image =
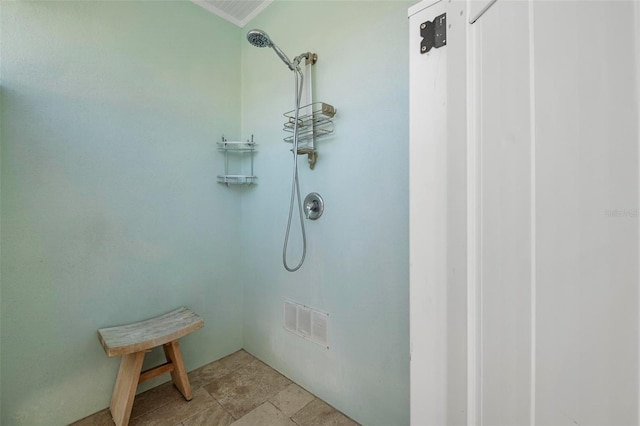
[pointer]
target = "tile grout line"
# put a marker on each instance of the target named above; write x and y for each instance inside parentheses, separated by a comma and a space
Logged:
(305, 406)
(218, 402)
(204, 385)
(279, 410)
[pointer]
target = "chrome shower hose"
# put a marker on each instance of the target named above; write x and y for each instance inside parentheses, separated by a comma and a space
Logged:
(295, 185)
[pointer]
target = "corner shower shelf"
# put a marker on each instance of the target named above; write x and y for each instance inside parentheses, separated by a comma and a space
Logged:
(237, 179)
(237, 148)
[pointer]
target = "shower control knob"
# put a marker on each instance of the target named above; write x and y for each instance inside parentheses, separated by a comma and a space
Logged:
(313, 206)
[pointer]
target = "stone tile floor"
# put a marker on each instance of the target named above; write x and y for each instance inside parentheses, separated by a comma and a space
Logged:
(237, 390)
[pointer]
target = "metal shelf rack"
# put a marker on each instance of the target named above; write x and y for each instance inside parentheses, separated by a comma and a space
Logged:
(315, 120)
(232, 148)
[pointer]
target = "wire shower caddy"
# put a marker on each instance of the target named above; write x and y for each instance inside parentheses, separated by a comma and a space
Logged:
(315, 120)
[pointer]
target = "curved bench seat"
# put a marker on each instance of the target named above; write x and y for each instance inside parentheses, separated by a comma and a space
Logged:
(132, 341)
(148, 334)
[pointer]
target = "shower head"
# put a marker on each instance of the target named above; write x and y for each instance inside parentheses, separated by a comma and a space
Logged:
(259, 38)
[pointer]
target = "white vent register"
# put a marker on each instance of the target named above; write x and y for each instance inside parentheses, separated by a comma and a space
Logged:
(307, 322)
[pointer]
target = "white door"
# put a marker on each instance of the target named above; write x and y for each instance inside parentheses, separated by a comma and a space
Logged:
(555, 294)
(549, 309)
(502, 208)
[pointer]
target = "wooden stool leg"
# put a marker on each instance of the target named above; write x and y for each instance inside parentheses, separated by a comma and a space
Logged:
(125, 388)
(178, 374)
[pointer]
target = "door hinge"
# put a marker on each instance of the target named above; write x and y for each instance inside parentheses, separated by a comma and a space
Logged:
(433, 33)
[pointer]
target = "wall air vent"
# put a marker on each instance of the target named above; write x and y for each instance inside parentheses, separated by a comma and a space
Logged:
(307, 322)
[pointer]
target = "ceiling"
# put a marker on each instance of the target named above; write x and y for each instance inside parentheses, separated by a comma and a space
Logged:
(238, 12)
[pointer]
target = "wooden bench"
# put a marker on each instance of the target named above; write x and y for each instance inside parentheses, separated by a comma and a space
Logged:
(132, 341)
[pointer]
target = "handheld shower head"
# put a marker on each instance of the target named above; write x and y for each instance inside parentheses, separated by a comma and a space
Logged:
(259, 38)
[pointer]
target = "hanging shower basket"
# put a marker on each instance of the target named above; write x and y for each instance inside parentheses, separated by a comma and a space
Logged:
(315, 120)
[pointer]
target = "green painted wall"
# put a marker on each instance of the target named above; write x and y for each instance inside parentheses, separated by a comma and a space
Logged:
(110, 207)
(357, 265)
(110, 211)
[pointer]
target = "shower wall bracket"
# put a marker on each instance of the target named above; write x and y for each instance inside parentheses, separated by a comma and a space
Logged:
(312, 156)
(311, 58)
